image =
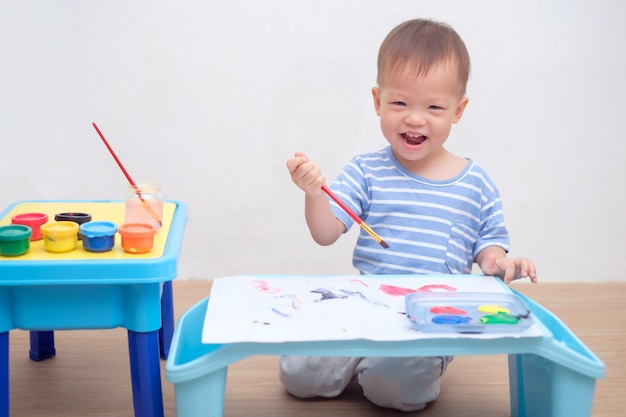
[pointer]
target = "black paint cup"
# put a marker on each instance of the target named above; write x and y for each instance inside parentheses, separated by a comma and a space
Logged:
(78, 218)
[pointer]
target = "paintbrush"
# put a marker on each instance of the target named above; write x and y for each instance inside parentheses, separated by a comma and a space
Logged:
(356, 218)
(130, 180)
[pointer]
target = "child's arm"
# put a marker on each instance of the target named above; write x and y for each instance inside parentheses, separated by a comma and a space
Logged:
(493, 261)
(325, 228)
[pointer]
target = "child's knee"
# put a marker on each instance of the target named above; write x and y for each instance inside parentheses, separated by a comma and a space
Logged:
(307, 377)
(405, 384)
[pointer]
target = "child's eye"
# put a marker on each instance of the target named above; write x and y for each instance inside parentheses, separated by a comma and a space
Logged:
(398, 103)
(435, 107)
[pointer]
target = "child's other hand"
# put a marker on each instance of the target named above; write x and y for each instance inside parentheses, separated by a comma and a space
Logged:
(306, 174)
(509, 269)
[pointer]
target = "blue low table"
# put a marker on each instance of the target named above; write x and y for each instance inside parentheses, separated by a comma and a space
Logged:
(43, 291)
(550, 375)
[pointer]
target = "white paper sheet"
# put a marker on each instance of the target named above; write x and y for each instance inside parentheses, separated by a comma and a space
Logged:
(273, 309)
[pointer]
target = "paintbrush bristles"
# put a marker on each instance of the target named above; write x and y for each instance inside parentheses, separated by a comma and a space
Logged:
(373, 234)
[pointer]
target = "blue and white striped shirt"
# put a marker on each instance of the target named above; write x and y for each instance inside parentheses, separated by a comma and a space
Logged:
(431, 226)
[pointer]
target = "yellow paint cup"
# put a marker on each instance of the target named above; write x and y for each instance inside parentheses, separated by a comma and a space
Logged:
(60, 236)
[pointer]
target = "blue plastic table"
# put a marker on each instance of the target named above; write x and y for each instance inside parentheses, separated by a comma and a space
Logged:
(549, 376)
(43, 291)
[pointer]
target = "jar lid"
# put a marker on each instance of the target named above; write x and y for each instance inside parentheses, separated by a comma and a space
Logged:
(145, 187)
(137, 230)
(73, 217)
(98, 229)
(30, 218)
(59, 229)
(15, 232)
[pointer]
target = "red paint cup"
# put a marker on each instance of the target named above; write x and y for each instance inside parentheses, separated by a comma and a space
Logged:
(32, 220)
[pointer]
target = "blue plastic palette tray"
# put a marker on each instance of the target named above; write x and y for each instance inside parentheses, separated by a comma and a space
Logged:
(467, 312)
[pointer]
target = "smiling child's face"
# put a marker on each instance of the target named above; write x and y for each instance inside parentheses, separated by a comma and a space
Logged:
(417, 112)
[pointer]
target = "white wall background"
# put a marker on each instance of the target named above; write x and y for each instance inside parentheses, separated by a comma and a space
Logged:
(210, 99)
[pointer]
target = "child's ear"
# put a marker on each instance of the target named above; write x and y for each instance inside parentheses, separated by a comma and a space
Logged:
(460, 108)
(376, 96)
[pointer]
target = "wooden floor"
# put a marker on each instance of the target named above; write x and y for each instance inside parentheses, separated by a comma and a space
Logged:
(90, 375)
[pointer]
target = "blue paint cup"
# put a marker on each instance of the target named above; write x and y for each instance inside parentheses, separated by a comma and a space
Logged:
(98, 236)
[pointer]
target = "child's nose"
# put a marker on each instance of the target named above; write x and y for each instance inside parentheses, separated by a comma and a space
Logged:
(415, 118)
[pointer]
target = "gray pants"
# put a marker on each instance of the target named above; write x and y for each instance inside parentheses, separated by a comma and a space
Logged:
(405, 384)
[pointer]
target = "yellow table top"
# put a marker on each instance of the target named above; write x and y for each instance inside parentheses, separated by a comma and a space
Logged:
(100, 210)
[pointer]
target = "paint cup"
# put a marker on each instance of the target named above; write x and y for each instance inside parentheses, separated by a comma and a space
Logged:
(137, 237)
(32, 220)
(149, 208)
(14, 239)
(98, 236)
(78, 218)
(60, 236)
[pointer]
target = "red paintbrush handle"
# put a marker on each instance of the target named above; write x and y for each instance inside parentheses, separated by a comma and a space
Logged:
(119, 163)
(127, 175)
(356, 218)
(342, 204)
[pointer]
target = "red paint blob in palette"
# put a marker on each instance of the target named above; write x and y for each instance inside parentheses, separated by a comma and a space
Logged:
(447, 310)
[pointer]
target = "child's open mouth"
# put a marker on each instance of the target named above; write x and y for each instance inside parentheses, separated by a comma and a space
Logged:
(414, 139)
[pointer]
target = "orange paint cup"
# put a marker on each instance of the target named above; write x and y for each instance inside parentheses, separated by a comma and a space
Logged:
(137, 237)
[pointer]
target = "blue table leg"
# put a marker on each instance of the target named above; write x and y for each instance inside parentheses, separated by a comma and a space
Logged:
(4, 374)
(542, 388)
(42, 345)
(145, 373)
(167, 320)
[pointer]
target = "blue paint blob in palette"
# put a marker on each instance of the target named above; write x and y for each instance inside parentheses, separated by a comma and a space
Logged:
(467, 312)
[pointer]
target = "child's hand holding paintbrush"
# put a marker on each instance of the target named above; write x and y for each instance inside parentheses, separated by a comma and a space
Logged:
(324, 226)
